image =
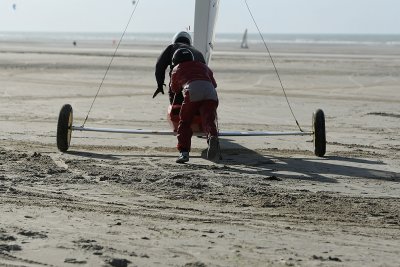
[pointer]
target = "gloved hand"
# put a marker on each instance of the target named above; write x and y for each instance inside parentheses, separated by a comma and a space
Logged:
(160, 89)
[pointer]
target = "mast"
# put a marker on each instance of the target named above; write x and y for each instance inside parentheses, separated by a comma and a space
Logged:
(205, 18)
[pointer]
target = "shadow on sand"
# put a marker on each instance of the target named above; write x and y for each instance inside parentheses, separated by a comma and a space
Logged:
(239, 159)
(311, 168)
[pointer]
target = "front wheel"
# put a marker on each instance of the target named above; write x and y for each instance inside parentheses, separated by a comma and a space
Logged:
(319, 134)
(64, 128)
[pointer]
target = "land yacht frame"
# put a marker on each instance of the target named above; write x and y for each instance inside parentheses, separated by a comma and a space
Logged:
(206, 12)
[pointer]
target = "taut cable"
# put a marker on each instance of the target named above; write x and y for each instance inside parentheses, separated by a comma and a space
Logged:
(273, 63)
(111, 61)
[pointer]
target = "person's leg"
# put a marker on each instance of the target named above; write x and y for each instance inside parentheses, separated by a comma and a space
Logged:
(188, 110)
(208, 111)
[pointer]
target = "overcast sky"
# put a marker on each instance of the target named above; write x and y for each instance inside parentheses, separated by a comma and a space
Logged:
(273, 16)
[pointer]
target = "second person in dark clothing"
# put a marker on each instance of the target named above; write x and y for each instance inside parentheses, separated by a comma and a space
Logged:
(180, 40)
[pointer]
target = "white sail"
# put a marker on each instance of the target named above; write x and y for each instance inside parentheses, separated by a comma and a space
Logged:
(205, 18)
(244, 40)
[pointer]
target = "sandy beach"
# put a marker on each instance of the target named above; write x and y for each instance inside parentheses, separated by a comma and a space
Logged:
(121, 200)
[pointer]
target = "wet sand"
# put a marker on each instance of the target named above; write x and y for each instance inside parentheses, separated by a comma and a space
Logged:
(121, 200)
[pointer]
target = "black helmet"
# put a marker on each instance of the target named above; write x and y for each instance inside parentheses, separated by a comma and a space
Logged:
(182, 37)
(182, 55)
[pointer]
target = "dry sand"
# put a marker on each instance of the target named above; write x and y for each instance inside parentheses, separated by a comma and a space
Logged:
(120, 200)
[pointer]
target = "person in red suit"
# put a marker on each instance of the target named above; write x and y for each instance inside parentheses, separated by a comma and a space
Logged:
(196, 80)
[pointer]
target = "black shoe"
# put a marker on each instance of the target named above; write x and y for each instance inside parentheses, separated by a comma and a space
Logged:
(212, 147)
(183, 157)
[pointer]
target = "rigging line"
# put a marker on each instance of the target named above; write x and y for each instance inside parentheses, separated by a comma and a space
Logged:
(111, 61)
(273, 63)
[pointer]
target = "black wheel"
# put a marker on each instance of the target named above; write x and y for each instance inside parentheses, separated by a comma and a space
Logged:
(64, 129)
(319, 133)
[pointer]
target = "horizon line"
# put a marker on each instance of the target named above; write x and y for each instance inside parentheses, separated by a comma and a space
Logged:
(172, 33)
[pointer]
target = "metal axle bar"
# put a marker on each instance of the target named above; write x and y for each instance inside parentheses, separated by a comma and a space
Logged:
(169, 132)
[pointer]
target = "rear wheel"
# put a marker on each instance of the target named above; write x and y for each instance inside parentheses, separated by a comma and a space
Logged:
(64, 128)
(319, 133)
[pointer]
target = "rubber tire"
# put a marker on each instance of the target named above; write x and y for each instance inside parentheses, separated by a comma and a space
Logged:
(319, 135)
(64, 131)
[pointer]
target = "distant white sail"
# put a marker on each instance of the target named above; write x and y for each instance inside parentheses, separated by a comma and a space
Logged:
(244, 40)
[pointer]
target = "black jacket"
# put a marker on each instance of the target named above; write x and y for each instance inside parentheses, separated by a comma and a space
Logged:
(165, 60)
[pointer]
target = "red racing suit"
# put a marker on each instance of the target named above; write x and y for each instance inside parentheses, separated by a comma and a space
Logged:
(198, 85)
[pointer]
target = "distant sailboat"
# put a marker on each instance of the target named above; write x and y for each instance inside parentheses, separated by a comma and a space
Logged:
(244, 41)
